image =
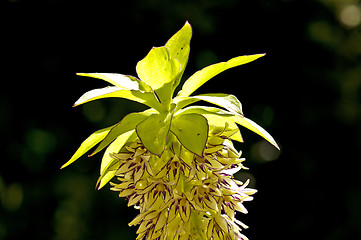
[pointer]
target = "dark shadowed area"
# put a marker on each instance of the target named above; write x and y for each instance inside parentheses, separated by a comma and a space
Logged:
(305, 92)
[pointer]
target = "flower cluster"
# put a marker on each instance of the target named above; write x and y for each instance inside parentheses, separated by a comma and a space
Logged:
(175, 162)
(181, 195)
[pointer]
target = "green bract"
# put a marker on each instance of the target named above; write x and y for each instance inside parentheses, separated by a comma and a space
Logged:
(159, 73)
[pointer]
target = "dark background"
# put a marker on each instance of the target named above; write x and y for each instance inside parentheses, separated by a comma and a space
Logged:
(305, 92)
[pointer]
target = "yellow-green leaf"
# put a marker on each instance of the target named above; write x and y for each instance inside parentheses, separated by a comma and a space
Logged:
(159, 70)
(227, 101)
(90, 142)
(103, 180)
(119, 80)
(178, 47)
(202, 76)
(128, 123)
(146, 98)
(114, 147)
(230, 117)
(248, 123)
(192, 131)
(153, 132)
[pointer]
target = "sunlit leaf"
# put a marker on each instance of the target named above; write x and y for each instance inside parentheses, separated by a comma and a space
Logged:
(228, 116)
(192, 131)
(104, 179)
(178, 47)
(119, 80)
(219, 121)
(153, 132)
(114, 147)
(248, 123)
(227, 101)
(203, 75)
(159, 70)
(146, 98)
(90, 142)
(128, 123)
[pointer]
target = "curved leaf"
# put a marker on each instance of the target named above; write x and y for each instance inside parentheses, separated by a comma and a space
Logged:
(107, 170)
(248, 123)
(88, 143)
(119, 80)
(153, 132)
(114, 147)
(202, 76)
(145, 98)
(228, 116)
(103, 180)
(128, 123)
(227, 101)
(178, 47)
(192, 131)
(159, 70)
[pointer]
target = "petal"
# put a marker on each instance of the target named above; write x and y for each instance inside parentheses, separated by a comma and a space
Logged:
(134, 199)
(221, 222)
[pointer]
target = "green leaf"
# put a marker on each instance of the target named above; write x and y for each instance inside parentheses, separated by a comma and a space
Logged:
(248, 123)
(153, 132)
(228, 116)
(90, 142)
(114, 147)
(146, 98)
(159, 70)
(104, 179)
(119, 80)
(178, 47)
(227, 101)
(128, 123)
(192, 131)
(202, 76)
(107, 162)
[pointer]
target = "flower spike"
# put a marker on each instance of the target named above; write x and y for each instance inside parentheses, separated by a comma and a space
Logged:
(174, 162)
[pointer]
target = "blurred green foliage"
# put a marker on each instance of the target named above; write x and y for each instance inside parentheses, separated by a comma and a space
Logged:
(306, 92)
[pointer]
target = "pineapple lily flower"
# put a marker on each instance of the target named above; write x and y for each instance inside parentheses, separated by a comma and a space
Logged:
(175, 162)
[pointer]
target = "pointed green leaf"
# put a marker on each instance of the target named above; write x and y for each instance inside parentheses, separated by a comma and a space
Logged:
(159, 70)
(145, 98)
(90, 142)
(192, 131)
(128, 123)
(228, 116)
(227, 101)
(248, 123)
(114, 147)
(178, 47)
(153, 132)
(202, 76)
(219, 121)
(119, 80)
(103, 180)
(108, 163)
